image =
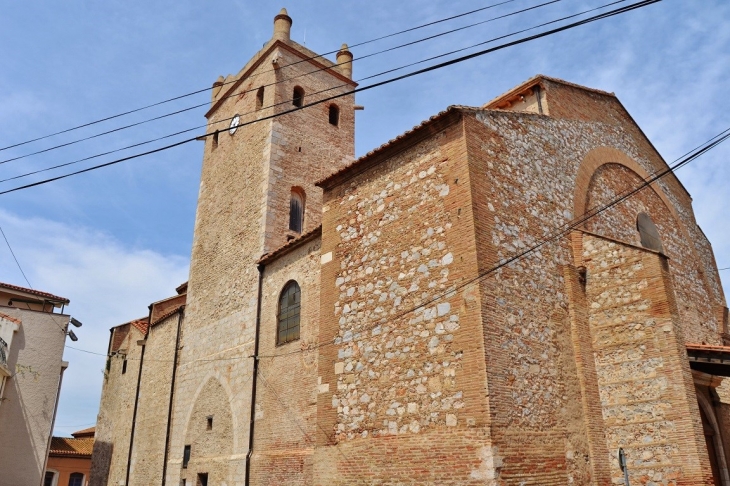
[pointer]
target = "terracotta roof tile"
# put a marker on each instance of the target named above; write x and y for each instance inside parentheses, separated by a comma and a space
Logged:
(707, 348)
(66, 446)
(535, 80)
(84, 433)
(168, 314)
(8, 318)
(290, 245)
(141, 324)
(45, 295)
(395, 140)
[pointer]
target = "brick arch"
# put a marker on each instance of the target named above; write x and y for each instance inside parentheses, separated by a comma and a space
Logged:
(600, 156)
(608, 155)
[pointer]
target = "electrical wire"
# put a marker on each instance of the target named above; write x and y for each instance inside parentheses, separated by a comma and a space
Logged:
(557, 234)
(284, 80)
(604, 15)
(175, 98)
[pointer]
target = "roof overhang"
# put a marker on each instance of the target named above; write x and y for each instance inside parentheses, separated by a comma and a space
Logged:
(713, 360)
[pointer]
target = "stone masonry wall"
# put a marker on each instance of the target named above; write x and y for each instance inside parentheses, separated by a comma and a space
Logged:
(646, 390)
(114, 421)
(403, 383)
(154, 399)
(242, 213)
(286, 398)
(531, 168)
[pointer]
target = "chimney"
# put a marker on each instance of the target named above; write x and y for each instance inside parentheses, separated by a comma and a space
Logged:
(282, 26)
(344, 61)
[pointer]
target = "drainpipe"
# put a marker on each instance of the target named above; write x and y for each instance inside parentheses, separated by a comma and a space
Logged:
(172, 393)
(255, 357)
(64, 365)
(142, 343)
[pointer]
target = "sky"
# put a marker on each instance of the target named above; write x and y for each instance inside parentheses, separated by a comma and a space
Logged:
(116, 239)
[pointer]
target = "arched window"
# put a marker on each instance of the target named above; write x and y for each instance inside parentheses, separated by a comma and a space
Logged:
(260, 98)
(334, 115)
(296, 210)
(298, 97)
(76, 479)
(648, 233)
(288, 315)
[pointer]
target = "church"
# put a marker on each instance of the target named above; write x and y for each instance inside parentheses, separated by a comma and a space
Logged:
(463, 305)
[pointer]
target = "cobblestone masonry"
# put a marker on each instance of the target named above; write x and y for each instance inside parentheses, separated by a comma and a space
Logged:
(243, 212)
(411, 369)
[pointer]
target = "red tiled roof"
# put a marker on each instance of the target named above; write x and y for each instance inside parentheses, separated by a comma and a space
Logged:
(376, 151)
(141, 324)
(168, 314)
(290, 245)
(182, 288)
(709, 348)
(66, 446)
(84, 433)
(45, 295)
(535, 80)
(12, 319)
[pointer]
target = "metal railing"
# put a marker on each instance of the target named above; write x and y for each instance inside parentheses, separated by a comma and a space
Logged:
(3, 353)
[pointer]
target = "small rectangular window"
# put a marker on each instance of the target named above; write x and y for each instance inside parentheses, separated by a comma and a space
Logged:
(202, 479)
(186, 456)
(124, 366)
(209, 425)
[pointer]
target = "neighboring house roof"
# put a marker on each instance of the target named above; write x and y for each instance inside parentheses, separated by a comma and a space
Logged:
(84, 433)
(290, 245)
(38, 293)
(71, 447)
(9, 318)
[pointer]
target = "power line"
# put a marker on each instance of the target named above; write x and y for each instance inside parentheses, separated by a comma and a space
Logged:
(557, 234)
(26, 278)
(175, 98)
(604, 15)
(241, 93)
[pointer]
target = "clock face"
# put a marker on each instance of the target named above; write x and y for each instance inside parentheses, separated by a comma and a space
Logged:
(234, 124)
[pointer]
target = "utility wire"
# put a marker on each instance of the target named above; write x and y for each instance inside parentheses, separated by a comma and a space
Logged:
(411, 29)
(557, 234)
(26, 278)
(359, 89)
(284, 80)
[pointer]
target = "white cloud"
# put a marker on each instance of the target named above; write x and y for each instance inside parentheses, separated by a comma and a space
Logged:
(107, 282)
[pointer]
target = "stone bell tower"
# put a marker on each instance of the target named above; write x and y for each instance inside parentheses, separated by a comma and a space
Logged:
(264, 152)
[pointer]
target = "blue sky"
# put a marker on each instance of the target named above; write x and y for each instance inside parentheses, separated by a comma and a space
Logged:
(119, 238)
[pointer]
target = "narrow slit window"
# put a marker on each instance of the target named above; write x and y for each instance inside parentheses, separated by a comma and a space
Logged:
(260, 98)
(215, 139)
(124, 366)
(298, 97)
(209, 422)
(186, 456)
(289, 313)
(296, 211)
(334, 115)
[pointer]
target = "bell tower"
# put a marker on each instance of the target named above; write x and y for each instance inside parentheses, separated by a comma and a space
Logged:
(269, 141)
